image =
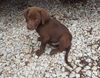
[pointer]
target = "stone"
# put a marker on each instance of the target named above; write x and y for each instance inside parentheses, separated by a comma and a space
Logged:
(54, 75)
(78, 69)
(77, 61)
(94, 57)
(94, 68)
(47, 75)
(77, 75)
(30, 76)
(88, 60)
(69, 58)
(72, 75)
(1, 35)
(88, 73)
(94, 76)
(80, 54)
(95, 72)
(87, 68)
(28, 56)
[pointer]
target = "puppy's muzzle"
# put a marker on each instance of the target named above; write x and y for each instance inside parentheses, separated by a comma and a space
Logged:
(30, 27)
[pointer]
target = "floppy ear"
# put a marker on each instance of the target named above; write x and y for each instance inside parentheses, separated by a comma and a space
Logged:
(44, 16)
(26, 12)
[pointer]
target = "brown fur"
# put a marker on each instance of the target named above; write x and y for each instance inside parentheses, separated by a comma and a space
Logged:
(50, 30)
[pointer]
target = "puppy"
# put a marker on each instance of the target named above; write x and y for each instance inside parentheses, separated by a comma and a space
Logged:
(50, 30)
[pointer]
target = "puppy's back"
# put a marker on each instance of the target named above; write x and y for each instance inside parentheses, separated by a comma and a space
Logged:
(54, 24)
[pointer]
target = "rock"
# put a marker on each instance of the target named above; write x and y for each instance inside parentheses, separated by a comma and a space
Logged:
(70, 59)
(47, 75)
(77, 61)
(30, 76)
(95, 72)
(63, 75)
(88, 60)
(28, 56)
(13, 66)
(94, 76)
(22, 64)
(72, 75)
(94, 57)
(54, 75)
(94, 68)
(1, 35)
(88, 73)
(78, 69)
(63, 69)
(77, 75)
(22, 55)
(87, 68)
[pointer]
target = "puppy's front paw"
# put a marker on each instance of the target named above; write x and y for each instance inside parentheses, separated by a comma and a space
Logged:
(39, 53)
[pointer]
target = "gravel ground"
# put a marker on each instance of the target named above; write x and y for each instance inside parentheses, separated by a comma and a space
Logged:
(16, 43)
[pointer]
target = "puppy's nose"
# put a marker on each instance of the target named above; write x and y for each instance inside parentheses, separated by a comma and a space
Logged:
(29, 27)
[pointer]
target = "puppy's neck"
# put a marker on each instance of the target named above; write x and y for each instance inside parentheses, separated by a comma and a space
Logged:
(40, 26)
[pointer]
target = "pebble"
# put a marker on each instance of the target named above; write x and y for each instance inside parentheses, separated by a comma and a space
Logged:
(94, 57)
(95, 72)
(94, 76)
(30, 76)
(78, 69)
(94, 68)
(88, 60)
(54, 75)
(28, 56)
(63, 69)
(88, 73)
(1, 34)
(77, 75)
(77, 61)
(87, 68)
(47, 75)
(70, 59)
(72, 75)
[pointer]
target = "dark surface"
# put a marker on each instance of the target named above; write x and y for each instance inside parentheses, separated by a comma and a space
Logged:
(25, 1)
(97, 2)
(73, 1)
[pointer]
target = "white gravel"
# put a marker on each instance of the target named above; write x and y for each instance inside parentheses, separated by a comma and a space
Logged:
(16, 43)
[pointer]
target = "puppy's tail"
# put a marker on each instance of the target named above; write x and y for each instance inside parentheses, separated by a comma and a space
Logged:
(66, 57)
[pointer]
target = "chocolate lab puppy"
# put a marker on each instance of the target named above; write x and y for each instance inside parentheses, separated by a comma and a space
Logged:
(50, 30)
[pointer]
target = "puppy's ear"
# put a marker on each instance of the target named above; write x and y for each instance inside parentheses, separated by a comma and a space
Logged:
(44, 16)
(26, 12)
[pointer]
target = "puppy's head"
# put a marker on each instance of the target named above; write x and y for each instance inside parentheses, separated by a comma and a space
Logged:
(35, 16)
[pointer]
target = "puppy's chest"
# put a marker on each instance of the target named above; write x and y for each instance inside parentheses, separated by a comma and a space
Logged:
(53, 34)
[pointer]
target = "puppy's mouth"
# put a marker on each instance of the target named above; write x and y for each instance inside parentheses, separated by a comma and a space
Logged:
(30, 27)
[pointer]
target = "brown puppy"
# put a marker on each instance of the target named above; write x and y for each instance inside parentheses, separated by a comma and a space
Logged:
(50, 30)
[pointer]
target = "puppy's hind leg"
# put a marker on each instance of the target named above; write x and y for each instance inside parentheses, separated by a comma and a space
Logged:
(61, 47)
(64, 45)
